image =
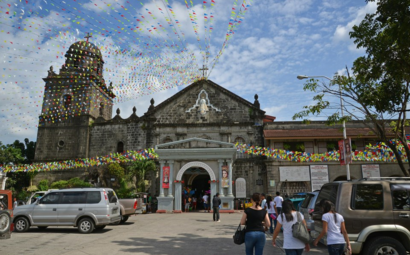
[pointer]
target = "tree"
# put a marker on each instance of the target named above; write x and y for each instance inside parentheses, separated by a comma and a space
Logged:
(379, 89)
(10, 155)
(138, 171)
(357, 97)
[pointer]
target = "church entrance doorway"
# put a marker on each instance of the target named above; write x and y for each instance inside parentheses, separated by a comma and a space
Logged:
(197, 182)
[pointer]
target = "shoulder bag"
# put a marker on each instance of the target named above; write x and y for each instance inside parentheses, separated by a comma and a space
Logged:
(299, 230)
(239, 236)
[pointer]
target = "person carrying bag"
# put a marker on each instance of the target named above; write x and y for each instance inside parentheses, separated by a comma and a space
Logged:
(291, 220)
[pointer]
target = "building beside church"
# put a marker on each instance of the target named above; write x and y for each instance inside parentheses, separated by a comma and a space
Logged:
(194, 133)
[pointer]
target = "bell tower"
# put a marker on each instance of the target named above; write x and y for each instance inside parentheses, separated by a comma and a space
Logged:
(72, 100)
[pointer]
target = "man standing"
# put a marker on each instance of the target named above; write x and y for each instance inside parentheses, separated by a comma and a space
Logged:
(216, 202)
(263, 203)
(205, 198)
(15, 203)
(277, 204)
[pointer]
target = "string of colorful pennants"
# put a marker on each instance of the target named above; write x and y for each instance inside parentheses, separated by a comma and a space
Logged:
(372, 153)
(143, 44)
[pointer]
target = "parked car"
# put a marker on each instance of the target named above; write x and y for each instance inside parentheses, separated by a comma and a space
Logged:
(376, 213)
(307, 207)
(128, 207)
(85, 208)
(36, 195)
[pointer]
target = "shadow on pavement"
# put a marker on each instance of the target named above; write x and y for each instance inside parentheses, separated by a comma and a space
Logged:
(62, 230)
(181, 244)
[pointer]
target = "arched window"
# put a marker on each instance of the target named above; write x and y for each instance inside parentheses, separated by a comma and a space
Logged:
(120, 147)
(167, 139)
(239, 140)
(67, 101)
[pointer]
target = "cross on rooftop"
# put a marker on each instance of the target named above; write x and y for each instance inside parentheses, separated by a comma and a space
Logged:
(203, 69)
(87, 36)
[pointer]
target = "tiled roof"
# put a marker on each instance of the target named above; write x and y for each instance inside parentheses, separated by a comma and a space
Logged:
(318, 133)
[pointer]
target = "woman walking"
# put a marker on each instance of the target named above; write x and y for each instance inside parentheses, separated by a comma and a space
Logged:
(256, 220)
(286, 219)
(271, 212)
(334, 226)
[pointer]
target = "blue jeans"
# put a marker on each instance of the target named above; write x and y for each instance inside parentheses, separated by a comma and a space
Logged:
(336, 249)
(254, 239)
(271, 223)
(293, 251)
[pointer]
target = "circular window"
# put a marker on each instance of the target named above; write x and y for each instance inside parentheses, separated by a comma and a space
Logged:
(61, 143)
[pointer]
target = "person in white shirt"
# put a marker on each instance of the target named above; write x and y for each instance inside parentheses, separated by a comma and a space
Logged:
(263, 203)
(271, 212)
(277, 204)
(287, 218)
(205, 200)
(334, 226)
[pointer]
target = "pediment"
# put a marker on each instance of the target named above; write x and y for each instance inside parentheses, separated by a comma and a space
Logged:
(194, 143)
(205, 102)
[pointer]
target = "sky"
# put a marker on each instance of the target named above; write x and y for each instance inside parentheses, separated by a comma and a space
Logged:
(153, 49)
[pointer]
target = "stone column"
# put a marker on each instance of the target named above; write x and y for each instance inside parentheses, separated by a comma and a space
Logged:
(178, 192)
(221, 190)
(171, 177)
(161, 193)
(229, 161)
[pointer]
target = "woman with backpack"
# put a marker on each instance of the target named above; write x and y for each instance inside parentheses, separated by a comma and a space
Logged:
(286, 219)
(334, 227)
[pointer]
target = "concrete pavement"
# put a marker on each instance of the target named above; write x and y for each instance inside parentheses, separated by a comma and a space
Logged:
(186, 233)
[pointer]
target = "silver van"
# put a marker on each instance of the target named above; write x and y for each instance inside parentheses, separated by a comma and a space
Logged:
(85, 208)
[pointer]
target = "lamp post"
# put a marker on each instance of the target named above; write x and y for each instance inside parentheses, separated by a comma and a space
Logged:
(302, 77)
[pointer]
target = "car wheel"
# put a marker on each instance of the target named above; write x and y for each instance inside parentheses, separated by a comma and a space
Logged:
(384, 245)
(5, 220)
(86, 225)
(42, 227)
(124, 219)
(100, 227)
(21, 224)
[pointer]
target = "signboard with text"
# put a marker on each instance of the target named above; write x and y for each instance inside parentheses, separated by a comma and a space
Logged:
(240, 187)
(370, 171)
(319, 175)
(294, 173)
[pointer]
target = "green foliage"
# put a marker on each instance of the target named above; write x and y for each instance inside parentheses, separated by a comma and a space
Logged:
(116, 170)
(138, 170)
(300, 147)
(59, 184)
(330, 145)
(32, 188)
(286, 146)
(10, 155)
(23, 195)
(72, 183)
(43, 185)
(124, 191)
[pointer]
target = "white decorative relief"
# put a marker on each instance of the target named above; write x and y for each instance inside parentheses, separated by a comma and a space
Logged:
(203, 103)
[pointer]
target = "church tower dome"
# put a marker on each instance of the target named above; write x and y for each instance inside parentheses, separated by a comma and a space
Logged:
(84, 57)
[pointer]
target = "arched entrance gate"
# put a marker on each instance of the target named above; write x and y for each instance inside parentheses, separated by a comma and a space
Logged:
(212, 156)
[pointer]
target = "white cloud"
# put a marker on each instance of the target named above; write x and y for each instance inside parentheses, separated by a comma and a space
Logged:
(342, 31)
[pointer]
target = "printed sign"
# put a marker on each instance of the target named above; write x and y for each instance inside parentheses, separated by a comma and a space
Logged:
(370, 171)
(165, 177)
(240, 187)
(294, 173)
(345, 149)
(319, 175)
(225, 177)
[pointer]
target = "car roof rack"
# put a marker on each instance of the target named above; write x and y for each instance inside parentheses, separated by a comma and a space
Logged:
(385, 178)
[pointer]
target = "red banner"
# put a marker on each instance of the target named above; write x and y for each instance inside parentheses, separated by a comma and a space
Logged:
(345, 148)
(165, 177)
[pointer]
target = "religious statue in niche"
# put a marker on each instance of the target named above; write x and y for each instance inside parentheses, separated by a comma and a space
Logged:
(203, 108)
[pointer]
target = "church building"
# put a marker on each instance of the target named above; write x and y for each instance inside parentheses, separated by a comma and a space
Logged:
(194, 133)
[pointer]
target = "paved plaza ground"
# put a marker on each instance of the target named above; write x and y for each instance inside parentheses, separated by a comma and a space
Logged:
(186, 233)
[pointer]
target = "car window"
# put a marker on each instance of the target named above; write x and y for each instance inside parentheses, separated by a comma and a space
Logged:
(93, 197)
(367, 197)
(73, 198)
(400, 196)
(51, 198)
(306, 202)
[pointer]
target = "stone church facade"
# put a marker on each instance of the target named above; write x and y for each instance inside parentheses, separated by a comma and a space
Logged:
(76, 122)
